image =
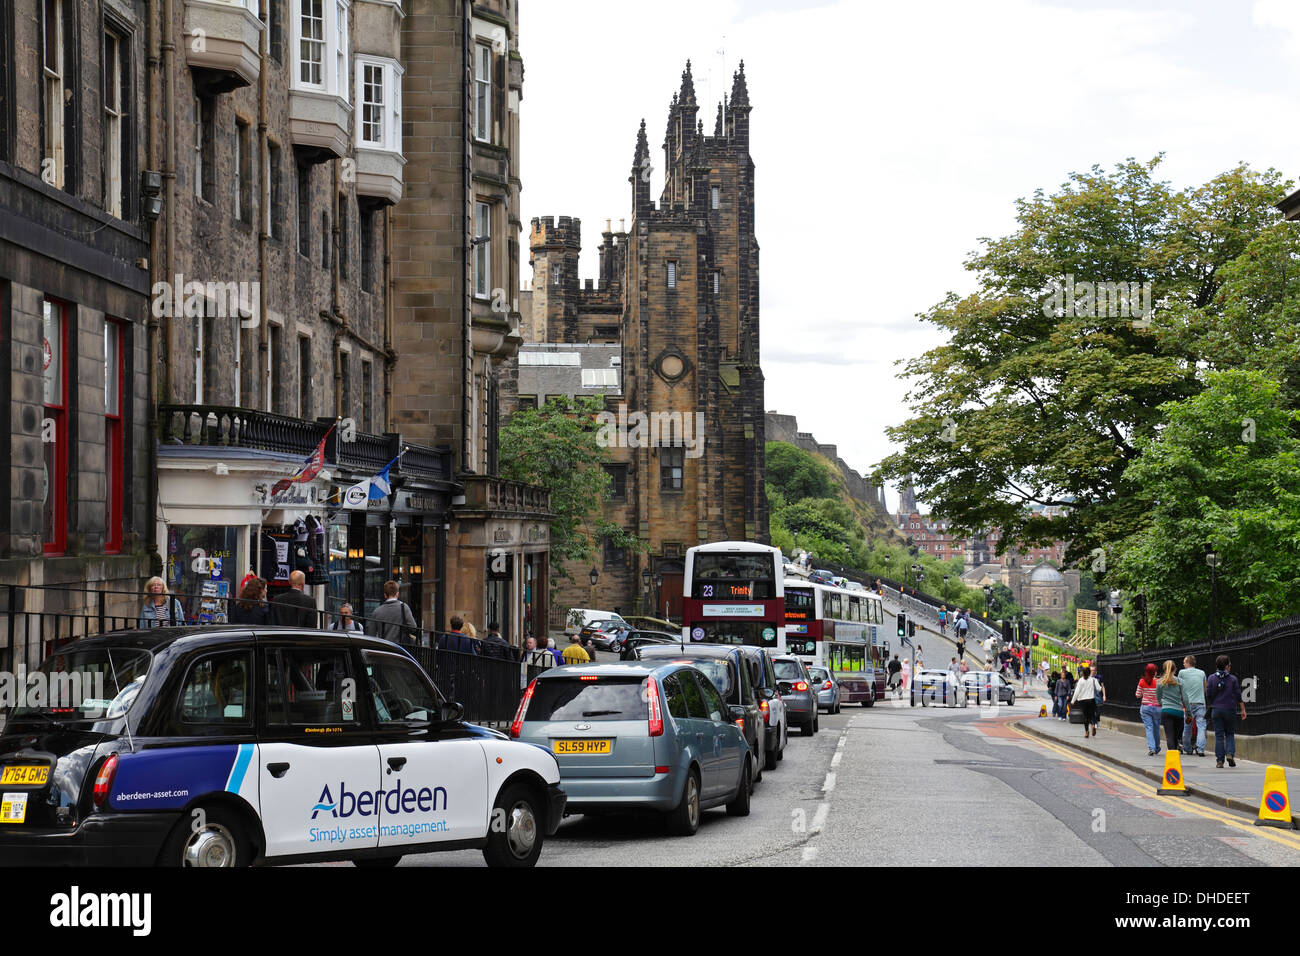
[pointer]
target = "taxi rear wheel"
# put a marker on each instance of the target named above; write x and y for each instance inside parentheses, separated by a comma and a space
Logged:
(515, 833)
(209, 837)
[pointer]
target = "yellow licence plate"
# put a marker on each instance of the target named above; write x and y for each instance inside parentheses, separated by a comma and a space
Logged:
(584, 746)
(26, 776)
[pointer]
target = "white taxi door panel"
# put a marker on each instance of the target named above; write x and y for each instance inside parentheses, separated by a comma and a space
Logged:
(434, 790)
(319, 798)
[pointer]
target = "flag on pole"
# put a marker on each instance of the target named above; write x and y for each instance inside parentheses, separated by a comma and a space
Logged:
(374, 488)
(309, 470)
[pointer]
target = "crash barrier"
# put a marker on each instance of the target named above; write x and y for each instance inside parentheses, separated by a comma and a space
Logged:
(487, 678)
(1264, 660)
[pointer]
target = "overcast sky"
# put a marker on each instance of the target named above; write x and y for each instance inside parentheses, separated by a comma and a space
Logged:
(888, 138)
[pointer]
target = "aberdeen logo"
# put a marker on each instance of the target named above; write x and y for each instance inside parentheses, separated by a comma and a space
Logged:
(367, 803)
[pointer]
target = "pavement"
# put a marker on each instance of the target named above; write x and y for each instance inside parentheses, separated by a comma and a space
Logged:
(1238, 788)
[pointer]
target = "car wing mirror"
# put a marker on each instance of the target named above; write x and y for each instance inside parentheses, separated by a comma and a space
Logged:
(736, 712)
(451, 712)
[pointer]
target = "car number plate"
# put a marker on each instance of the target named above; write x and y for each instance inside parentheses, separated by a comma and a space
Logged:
(13, 807)
(584, 746)
(26, 775)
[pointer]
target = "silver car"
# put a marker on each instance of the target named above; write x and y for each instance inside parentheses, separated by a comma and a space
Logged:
(797, 692)
(640, 736)
(982, 685)
(940, 688)
(828, 689)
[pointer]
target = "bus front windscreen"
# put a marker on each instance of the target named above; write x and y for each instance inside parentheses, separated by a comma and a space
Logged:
(752, 633)
(721, 574)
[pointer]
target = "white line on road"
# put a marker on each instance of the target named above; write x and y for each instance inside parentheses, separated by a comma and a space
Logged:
(835, 760)
(809, 854)
(829, 785)
(819, 818)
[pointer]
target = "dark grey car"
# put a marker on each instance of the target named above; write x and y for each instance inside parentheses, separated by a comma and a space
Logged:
(798, 692)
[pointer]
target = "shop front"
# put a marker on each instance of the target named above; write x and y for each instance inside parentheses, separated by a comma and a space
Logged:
(217, 519)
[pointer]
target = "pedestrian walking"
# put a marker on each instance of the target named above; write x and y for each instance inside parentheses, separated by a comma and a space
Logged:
(160, 608)
(393, 620)
(1051, 691)
(1150, 708)
(574, 653)
(1223, 691)
(294, 608)
(943, 621)
(251, 608)
(1085, 699)
(555, 651)
(1193, 680)
(1062, 691)
(1169, 694)
(345, 622)
(1099, 698)
(895, 674)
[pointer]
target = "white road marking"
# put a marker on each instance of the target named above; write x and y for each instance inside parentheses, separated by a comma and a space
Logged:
(810, 854)
(835, 760)
(829, 785)
(819, 818)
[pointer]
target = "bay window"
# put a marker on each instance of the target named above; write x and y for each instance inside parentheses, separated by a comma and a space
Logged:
(320, 29)
(54, 430)
(379, 93)
(482, 250)
(483, 92)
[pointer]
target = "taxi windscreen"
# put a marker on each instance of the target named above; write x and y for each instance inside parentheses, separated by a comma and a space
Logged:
(601, 698)
(87, 684)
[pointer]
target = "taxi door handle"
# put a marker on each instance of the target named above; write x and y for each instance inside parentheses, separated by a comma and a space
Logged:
(278, 770)
(396, 763)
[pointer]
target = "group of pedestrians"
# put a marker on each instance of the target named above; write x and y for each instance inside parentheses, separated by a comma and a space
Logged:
(960, 625)
(1084, 695)
(1180, 700)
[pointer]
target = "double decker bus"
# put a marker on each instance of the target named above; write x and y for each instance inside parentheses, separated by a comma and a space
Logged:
(841, 630)
(733, 592)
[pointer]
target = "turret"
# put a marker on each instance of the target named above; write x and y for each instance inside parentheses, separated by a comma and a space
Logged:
(738, 110)
(640, 178)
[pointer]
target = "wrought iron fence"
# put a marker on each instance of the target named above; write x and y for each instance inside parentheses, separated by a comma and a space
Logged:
(1265, 659)
(486, 677)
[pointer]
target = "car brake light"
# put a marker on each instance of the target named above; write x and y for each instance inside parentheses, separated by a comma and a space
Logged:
(801, 686)
(589, 677)
(104, 780)
(827, 686)
(656, 716)
(763, 706)
(517, 725)
(740, 722)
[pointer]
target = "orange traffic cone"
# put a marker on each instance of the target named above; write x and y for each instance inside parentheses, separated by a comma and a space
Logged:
(1275, 804)
(1173, 779)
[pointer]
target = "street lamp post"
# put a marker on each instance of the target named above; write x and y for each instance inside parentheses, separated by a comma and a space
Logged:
(594, 576)
(659, 587)
(1213, 559)
(645, 588)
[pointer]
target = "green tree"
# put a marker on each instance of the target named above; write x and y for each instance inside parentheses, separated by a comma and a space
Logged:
(555, 447)
(1031, 402)
(795, 474)
(1224, 471)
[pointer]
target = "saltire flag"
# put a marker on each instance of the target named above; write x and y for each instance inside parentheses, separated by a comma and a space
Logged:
(309, 470)
(374, 488)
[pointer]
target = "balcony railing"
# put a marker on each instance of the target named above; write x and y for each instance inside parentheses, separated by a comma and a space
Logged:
(220, 426)
(228, 427)
(496, 494)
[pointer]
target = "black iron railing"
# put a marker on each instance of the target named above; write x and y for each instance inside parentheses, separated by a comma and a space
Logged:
(1266, 660)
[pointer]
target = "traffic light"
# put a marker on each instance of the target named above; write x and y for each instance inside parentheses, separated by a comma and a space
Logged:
(902, 624)
(911, 629)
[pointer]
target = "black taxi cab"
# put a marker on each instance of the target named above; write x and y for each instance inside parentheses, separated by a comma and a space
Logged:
(225, 746)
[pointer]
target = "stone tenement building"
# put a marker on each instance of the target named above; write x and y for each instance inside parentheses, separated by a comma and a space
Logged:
(679, 292)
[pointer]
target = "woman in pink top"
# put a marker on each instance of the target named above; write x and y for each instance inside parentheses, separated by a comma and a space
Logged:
(1146, 691)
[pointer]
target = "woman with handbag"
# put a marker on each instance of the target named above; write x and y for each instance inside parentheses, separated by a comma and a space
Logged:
(1150, 709)
(1085, 699)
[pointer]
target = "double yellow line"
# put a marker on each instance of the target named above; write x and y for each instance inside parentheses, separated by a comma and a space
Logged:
(1146, 787)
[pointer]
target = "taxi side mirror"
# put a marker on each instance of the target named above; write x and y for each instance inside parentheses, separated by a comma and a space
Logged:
(451, 712)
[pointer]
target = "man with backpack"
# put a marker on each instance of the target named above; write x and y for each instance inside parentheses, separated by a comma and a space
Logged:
(393, 618)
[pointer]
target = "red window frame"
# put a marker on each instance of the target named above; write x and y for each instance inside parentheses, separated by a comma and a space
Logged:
(114, 471)
(56, 541)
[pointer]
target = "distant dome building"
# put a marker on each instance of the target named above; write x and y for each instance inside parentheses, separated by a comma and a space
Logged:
(1041, 589)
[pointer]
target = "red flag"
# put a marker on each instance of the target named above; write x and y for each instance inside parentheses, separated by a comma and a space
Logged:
(309, 470)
